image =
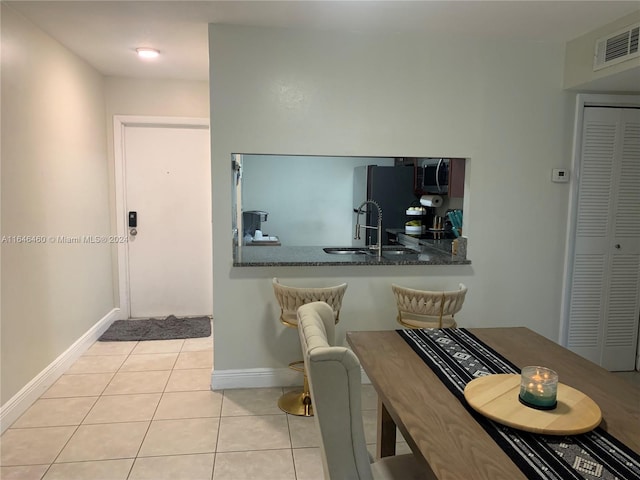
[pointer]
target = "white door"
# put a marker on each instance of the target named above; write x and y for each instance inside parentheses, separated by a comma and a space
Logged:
(604, 304)
(168, 185)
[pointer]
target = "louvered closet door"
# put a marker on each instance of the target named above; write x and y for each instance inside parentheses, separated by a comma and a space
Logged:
(604, 304)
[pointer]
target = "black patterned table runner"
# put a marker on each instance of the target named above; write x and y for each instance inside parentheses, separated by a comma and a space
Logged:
(457, 356)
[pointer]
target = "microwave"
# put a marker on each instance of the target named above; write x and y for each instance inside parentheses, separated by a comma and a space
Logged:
(435, 175)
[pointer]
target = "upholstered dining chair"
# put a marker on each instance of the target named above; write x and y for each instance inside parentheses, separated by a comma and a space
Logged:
(334, 378)
(298, 402)
(428, 309)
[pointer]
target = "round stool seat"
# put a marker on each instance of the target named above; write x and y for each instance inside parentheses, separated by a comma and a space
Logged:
(428, 309)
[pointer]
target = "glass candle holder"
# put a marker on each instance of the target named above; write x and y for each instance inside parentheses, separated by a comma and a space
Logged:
(538, 388)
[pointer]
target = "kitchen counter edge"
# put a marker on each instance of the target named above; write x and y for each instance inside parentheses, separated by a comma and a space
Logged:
(284, 256)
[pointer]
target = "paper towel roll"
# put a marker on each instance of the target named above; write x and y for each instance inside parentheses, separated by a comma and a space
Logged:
(431, 200)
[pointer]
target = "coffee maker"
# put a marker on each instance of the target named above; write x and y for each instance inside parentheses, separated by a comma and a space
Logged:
(252, 221)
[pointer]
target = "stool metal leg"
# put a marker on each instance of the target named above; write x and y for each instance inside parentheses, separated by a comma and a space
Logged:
(297, 402)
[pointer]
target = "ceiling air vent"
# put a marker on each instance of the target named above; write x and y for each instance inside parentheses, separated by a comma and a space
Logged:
(617, 47)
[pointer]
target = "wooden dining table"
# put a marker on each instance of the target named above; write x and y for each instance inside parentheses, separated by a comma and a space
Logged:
(440, 431)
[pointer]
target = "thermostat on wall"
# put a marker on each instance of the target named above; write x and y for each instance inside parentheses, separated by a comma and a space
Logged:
(560, 175)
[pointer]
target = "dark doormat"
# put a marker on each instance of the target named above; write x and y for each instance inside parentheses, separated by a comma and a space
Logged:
(157, 329)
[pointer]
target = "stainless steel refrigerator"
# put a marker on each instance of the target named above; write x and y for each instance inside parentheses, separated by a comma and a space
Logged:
(392, 189)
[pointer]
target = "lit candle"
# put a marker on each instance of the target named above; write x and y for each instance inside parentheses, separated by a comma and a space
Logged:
(538, 388)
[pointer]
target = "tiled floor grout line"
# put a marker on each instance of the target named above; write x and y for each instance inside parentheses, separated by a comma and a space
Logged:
(293, 459)
(76, 429)
(245, 451)
(86, 415)
(144, 437)
(215, 454)
(63, 447)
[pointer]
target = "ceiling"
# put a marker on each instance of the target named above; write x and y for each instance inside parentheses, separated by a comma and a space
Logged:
(106, 34)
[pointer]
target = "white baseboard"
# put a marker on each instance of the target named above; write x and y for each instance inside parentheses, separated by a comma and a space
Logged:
(259, 378)
(254, 378)
(21, 401)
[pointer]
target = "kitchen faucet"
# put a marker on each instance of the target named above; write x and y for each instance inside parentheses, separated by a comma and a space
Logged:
(377, 247)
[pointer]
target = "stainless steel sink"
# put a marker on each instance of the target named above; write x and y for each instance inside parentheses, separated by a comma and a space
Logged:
(389, 250)
(346, 251)
(398, 251)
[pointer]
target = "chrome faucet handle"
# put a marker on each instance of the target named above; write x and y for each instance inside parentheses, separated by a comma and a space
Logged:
(378, 246)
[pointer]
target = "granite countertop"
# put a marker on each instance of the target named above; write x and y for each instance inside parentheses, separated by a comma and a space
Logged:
(266, 256)
(435, 240)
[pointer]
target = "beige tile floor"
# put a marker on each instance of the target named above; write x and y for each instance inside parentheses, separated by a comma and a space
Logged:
(144, 410)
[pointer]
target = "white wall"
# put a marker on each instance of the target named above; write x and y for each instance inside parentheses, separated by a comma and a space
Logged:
(309, 199)
(54, 182)
(498, 103)
(136, 96)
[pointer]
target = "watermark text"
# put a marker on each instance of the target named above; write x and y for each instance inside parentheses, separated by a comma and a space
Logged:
(63, 239)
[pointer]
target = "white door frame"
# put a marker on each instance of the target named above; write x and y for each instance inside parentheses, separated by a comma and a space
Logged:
(120, 122)
(582, 101)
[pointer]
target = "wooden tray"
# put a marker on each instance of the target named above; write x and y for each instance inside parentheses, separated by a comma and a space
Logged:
(496, 397)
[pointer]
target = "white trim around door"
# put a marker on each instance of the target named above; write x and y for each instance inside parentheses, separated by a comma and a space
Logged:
(582, 101)
(120, 122)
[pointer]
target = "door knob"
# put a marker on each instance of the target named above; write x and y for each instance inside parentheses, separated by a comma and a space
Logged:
(617, 246)
(133, 232)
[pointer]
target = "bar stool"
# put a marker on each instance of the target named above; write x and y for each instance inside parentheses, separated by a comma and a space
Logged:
(428, 309)
(298, 402)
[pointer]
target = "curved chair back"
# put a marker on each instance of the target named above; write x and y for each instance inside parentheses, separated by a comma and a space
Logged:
(428, 309)
(334, 378)
(292, 298)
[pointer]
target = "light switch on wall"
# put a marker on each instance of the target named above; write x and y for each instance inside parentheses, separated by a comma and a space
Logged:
(560, 175)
